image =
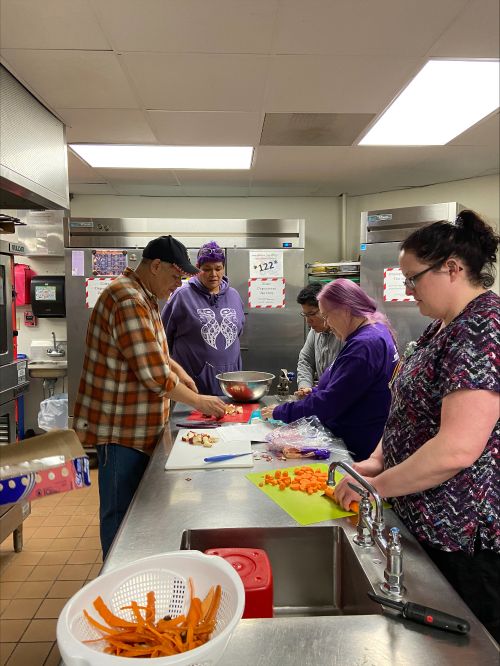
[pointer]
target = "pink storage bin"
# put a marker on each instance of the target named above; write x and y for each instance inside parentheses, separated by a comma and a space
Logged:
(22, 277)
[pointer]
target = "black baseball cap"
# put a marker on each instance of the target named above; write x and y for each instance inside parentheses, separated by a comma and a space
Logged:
(172, 251)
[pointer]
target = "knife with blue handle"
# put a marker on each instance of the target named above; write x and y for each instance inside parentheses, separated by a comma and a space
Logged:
(225, 456)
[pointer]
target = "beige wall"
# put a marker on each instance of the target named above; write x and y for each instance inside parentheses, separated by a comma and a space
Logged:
(322, 215)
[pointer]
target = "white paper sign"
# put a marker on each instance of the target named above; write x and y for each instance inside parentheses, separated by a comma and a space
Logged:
(394, 286)
(266, 292)
(266, 263)
(94, 288)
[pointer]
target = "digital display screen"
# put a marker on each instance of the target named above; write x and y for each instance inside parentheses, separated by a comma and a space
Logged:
(45, 293)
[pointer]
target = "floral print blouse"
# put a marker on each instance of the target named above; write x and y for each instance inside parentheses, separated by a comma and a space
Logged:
(463, 513)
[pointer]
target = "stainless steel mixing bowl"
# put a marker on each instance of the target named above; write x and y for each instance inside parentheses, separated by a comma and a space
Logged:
(245, 385)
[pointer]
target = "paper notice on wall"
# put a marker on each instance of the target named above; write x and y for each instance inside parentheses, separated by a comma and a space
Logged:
(394, 286)
(266, 263)
(94, 288)
(266, 292)
(77, 263)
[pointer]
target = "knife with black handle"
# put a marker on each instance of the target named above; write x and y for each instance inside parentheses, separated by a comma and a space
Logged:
(424, 615)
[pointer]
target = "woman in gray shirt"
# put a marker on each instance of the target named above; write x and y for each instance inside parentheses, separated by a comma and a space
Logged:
(321, 347)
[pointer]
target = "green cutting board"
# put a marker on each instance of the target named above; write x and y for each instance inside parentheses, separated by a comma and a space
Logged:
(305, 509)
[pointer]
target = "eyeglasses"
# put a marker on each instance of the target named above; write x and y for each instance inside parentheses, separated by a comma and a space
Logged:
(305, 315)
(411, 282)
(210, 250)
(324, 315)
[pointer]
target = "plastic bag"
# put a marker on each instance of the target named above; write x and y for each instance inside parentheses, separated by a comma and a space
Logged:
(306, 438)
(53, 412)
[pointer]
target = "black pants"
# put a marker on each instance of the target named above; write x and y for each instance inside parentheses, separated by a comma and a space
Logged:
(476, 578)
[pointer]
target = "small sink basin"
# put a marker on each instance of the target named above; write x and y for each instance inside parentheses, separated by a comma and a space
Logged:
(315, 571)
(48, 369)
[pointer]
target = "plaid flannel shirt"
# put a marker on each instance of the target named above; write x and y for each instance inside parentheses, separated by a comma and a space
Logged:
(126, 370)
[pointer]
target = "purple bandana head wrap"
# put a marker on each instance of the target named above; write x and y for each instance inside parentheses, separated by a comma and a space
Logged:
(210, 252)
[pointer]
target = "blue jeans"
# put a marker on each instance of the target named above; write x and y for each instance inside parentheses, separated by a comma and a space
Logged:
(120, 472)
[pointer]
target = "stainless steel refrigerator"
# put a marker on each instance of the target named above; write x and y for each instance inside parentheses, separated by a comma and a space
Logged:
(381, 234)
(97, 248)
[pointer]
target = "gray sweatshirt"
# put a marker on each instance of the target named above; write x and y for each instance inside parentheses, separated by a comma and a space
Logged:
(319, 352)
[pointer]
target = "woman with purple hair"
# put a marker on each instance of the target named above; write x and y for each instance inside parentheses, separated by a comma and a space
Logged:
(203, 321)
(352, 397)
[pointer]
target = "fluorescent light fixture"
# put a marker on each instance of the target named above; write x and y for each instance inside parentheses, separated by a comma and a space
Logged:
(111, 156)
(442, 101)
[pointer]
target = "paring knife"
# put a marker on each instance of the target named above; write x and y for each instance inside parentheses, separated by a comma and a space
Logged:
(425, 615)
(197, 424)
(225, 456)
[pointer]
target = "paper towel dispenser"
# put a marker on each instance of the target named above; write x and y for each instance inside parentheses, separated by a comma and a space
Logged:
(47, 296)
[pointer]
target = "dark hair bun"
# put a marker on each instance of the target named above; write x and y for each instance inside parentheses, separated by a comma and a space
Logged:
(473, 230)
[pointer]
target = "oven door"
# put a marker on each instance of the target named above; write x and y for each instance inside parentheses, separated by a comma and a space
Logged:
(6, 338)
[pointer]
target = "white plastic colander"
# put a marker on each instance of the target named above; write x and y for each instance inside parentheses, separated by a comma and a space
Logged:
(167, 575)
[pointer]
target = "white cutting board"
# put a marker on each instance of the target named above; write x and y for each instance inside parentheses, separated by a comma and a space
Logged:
(187, 456)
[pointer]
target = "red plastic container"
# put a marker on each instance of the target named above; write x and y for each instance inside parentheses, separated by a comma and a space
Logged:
(254, 569)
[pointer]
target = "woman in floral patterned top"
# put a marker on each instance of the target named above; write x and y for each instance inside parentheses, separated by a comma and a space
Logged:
(439, 456)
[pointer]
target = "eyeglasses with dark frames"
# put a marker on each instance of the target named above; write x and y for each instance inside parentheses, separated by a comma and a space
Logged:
(411, 282)
(305, 315)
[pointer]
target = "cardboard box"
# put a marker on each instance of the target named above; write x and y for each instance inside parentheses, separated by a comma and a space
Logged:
(44, 465)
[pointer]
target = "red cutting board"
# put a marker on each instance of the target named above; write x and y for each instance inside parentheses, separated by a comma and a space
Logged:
(248, 408)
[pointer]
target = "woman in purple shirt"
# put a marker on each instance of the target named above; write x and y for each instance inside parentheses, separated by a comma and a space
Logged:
(352, 397)
(439, 457)
(204, 320)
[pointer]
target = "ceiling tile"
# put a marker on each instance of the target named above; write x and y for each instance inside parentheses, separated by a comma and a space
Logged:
(183, 26)
(106, 126)
(396, 27)
(336, 84)
(50, 24)
(198, 82)
(160, 177)
(475, 34)
(211, 128)
(73, 79)
(313, 129)
(145, 189)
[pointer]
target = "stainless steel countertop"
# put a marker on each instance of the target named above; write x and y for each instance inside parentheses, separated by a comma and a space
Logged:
(169, 502)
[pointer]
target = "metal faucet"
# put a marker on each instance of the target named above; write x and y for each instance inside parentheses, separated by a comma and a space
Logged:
(55, 350)
(371, 530)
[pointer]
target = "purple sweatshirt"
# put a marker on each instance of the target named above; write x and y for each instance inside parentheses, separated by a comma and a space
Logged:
(203, 331)
(352, 397)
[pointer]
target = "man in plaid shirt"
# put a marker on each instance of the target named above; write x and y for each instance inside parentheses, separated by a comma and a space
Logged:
(128, 378)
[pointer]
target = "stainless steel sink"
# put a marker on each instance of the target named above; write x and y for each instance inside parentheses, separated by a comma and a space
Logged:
(315, 571)
(47, 369)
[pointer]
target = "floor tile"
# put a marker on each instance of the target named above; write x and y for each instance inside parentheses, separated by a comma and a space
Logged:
(54, 657)
(50, 608)
(39, 630)
(16, 572)
(21, 609)
(7, 557)
(88, 543)
(63, 589)
(3, 605)
(6, 650)
(37, 590)
(95, 571)
(92, 531)
(73, 531)
(28, 558)
(39, 545)
(56, 521)
(46, 532)
(62, 510)
(9, 590)
(12, 630)
(45, 572)
(75, 572)
(83, 556)
(33, 654)
(67, 543)
(56, 556)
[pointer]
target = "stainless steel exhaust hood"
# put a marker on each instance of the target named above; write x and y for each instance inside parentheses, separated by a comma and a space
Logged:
(33, 155)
